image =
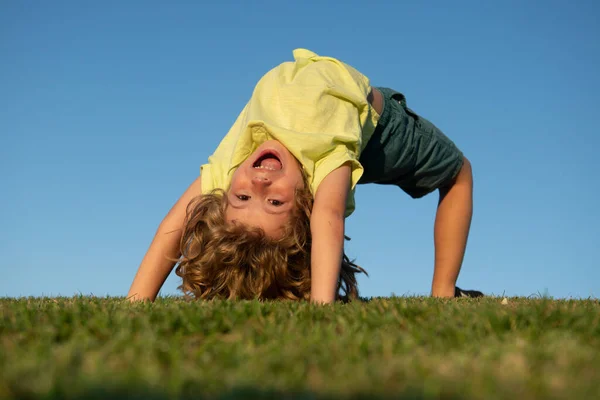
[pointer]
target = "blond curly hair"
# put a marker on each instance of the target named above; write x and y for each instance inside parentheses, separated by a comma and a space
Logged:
(235, 261)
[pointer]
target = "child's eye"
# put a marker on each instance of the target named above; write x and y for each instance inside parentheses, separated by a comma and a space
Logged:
(242, 197)
(276, 202)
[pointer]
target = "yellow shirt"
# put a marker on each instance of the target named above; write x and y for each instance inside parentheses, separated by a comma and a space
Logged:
(316, 107)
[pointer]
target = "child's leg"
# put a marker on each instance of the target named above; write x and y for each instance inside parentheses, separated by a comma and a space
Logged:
(411, 152)
(452, 223)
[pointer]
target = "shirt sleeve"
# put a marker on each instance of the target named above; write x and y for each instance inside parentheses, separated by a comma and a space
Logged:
(338, 157)
(231, 152)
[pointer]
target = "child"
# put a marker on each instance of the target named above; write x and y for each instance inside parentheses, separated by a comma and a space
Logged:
(265, 219)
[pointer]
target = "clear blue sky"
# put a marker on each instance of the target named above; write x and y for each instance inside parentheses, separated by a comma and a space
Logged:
(108, 109)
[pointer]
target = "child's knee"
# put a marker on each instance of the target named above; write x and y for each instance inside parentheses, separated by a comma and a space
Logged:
(466, 169)
(465, 175)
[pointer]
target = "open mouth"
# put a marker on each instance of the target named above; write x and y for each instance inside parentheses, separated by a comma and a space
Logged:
(269, 161)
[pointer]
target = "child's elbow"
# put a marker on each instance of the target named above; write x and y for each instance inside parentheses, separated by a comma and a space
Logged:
(329, 219)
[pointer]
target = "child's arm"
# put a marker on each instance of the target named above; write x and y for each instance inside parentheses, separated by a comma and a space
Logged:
(327, 229)
(157, 263)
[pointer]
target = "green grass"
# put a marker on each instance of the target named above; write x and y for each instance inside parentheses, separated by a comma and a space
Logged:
(408, 348)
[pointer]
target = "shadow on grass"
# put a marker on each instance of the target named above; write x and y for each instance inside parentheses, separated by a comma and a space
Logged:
(236, 393)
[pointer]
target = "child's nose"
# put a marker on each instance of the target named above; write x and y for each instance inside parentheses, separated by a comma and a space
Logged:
(261, 180)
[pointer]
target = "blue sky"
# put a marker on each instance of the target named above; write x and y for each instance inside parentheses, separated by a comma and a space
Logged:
(108, 109)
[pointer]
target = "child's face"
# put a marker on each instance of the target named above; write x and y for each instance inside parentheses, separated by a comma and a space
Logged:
(262, 191)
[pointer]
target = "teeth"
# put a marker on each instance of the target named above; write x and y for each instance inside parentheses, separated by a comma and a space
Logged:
(267, 168)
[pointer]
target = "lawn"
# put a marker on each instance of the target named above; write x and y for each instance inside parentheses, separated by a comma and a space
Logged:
(404, 347)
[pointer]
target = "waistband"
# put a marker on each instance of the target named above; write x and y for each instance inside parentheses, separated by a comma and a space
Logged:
(387, 97)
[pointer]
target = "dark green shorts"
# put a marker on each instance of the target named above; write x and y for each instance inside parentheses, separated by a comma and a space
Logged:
(408, 151)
